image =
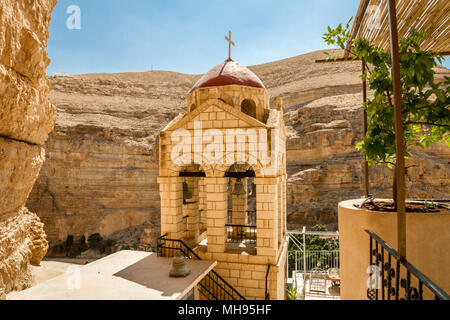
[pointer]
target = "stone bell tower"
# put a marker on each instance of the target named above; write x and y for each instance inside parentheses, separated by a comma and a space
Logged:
(223, 180)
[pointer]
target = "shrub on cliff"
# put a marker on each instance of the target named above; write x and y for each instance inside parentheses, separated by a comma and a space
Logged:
(68, 244)
(95, 241)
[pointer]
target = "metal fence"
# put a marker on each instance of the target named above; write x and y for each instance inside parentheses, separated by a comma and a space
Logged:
(316, 260)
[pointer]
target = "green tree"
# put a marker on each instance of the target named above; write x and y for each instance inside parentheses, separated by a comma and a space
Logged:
(313, 243)
(426, 113)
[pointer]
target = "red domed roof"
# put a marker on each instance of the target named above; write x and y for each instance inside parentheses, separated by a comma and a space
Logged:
(228, 73)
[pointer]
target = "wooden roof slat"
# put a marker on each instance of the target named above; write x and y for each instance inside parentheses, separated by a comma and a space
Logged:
(431, 16)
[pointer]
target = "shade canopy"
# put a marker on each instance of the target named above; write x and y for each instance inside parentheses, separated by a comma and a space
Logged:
(432, 16)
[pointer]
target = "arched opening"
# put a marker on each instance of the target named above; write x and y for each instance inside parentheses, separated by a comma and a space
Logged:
(241, 203)
(193, 209)
(193, 106)
(249, 107)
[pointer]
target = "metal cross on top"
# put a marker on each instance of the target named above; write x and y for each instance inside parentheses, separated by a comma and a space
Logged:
(230, 43)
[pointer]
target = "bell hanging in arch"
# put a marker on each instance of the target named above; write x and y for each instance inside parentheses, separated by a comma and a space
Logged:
(252, 193)
(179, 268)
(238, 188)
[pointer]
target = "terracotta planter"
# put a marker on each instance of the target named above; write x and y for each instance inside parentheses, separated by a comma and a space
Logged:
(428, 245)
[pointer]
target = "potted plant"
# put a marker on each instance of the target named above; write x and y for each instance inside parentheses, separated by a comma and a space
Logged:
(292, 293)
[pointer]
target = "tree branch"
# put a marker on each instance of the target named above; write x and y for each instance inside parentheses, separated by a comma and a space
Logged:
(367, 67)
(389, 97)
(388, 162)
(364, 60)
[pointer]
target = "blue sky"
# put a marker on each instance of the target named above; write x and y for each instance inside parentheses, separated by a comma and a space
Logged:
(188, 35)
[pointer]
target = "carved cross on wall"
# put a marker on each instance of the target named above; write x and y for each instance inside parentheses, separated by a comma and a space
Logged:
(230, 43)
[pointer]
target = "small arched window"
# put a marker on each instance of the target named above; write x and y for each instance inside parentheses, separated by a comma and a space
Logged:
(249, 108)
(193, 106)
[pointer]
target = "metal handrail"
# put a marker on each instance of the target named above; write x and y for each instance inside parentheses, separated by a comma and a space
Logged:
(210, 277)
(267, 295)
(185, 249)
(182, 246)
(406, 283)
(240, 225)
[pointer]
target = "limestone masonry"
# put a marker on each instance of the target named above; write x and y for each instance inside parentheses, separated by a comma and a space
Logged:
(26, 119)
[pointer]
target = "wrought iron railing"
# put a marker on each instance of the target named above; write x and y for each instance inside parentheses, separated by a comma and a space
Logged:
(397, 275)
(168, 247)
(240, 233)
(212, 286)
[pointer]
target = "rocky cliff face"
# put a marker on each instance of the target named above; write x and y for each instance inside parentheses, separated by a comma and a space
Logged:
(100, 175)
(103, 157)
(26, 118)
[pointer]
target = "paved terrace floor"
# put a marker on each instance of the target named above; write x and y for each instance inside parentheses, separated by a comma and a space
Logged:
(317, 289)
(125, 275)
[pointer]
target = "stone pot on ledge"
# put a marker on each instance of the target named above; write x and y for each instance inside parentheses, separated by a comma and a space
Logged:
(427, 245)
